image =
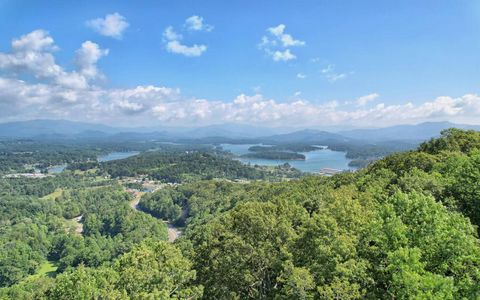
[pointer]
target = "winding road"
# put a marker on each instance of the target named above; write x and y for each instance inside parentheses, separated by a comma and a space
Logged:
(173, 232)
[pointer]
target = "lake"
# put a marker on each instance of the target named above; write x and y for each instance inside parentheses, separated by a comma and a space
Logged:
(314, 160)
(116, 155)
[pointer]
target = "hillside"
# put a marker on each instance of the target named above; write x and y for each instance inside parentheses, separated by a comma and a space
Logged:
(419, 132)
(406, 227)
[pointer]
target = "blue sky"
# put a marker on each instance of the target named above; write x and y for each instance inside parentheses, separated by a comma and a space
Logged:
(352, 63)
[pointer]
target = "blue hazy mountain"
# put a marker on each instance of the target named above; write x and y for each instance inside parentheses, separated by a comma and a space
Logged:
(57, 129)
(418, 132)
(82, 130)
(305, 136)
(35, 128)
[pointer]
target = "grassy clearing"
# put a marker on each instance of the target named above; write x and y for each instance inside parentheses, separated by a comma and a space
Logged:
(47, 269)
(57, 193)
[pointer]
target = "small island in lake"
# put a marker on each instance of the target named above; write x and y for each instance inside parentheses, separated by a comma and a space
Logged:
(275, 155)
(285, 147)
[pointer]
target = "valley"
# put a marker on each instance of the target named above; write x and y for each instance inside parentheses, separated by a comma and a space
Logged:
(200, 208)
(231, 150)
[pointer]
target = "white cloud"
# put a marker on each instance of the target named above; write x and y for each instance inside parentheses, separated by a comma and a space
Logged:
(278, 39)
(286, 39)
(196, 23)
(191, 51)
(54, 93)
(32, 54)
(37, 40)
(87, 57)
(140, 99)
(285, 55)
(336, 77)
(147, 105)
(174, 44)
(301, 76)
(170, 35)
(362, 101)
(258, 110)
(112, 25)
(332, 76)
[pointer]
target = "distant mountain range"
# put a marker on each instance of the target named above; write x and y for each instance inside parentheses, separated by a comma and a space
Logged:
(33, 128)
(62, 129)
(305, 136)
(419, 132)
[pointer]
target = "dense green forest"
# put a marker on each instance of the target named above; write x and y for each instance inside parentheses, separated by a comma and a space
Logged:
(405, 227)
(189, 166)
(275, 155)
(362, 155)
(26, 155)
(37, 228)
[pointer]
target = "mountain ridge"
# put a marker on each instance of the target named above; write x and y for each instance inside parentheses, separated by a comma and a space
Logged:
(41, 128)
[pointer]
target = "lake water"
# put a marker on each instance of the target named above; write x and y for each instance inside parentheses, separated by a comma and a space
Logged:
(116, 155)
(314, 160)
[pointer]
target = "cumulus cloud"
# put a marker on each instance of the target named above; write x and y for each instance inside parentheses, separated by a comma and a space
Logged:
(258, 110)
(170, 35)
(87, 57)
(286, 39)
(140, 99)
(276, 40)
(285, 55)
(47, 93)
(196, 23)
(23, 100)
(32, 54)
(19, 99)
(36, 40)
(147, 105)
(362, 101)
(113, 25)
(173, 44)
(179, 48)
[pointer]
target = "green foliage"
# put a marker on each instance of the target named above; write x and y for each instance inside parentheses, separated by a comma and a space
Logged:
(158, 270)
(86, 283)
(240, 254)
(29, 289)
(189, 166)
(453, 140)
(276, 155)
(33, 230)
(405, 227)
(165, 203)
(410, 280)
(464, 186)
(152, 270)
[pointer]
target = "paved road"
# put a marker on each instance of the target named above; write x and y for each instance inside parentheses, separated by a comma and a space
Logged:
(173, 232)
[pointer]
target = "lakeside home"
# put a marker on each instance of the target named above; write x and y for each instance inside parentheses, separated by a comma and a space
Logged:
(329, 171)
(27, 175)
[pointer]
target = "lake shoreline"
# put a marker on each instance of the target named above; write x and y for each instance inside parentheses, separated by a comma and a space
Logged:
(313, 163)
